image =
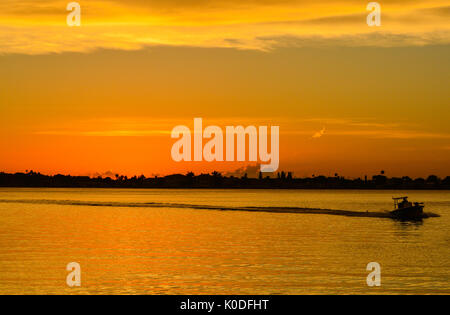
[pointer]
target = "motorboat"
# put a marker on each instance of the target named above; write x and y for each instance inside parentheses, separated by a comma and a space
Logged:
(404, 209)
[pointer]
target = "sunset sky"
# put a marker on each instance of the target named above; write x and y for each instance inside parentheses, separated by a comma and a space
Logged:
(103, 98)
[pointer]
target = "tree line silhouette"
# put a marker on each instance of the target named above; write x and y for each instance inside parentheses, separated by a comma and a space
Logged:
(283, 180)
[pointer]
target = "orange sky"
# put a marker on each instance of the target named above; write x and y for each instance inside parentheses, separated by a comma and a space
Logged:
(104, 97)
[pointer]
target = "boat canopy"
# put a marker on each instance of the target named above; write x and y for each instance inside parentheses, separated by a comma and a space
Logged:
(399, 198)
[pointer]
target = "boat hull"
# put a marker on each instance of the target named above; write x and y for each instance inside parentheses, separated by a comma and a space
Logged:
(414, 212)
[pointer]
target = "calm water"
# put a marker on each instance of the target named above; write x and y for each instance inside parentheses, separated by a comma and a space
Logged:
(170, 250)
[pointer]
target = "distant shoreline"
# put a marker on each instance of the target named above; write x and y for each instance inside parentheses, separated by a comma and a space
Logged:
(218, 181)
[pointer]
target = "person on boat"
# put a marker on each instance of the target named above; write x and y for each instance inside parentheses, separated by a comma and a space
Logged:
(405, 203)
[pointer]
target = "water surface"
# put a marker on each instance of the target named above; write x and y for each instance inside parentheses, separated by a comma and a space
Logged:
(180, 250)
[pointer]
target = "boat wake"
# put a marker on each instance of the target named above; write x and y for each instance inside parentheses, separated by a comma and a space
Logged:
(296, 210)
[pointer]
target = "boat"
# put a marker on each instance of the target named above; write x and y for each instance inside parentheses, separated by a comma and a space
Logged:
(403, 209)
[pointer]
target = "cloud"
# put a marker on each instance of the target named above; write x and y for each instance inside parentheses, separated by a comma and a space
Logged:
(30, 27)
(252, 171)
(443, 11)
(103, 175)
(149, 127)
(392, 134)
(364, 127)
(105, 133)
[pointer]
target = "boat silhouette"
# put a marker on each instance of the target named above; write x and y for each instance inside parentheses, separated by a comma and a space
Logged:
(404, 209)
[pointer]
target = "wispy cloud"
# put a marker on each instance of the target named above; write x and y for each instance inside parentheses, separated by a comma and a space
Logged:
(32, 27)
(105, 133)
(252, 171)
(364, 127)
(340, 127)
(392, 134)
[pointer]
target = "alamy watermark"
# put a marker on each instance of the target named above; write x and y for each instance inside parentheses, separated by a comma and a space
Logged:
(374, 17)
(214, 149)
(374, 278)
(74, 277)
(74, 17)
